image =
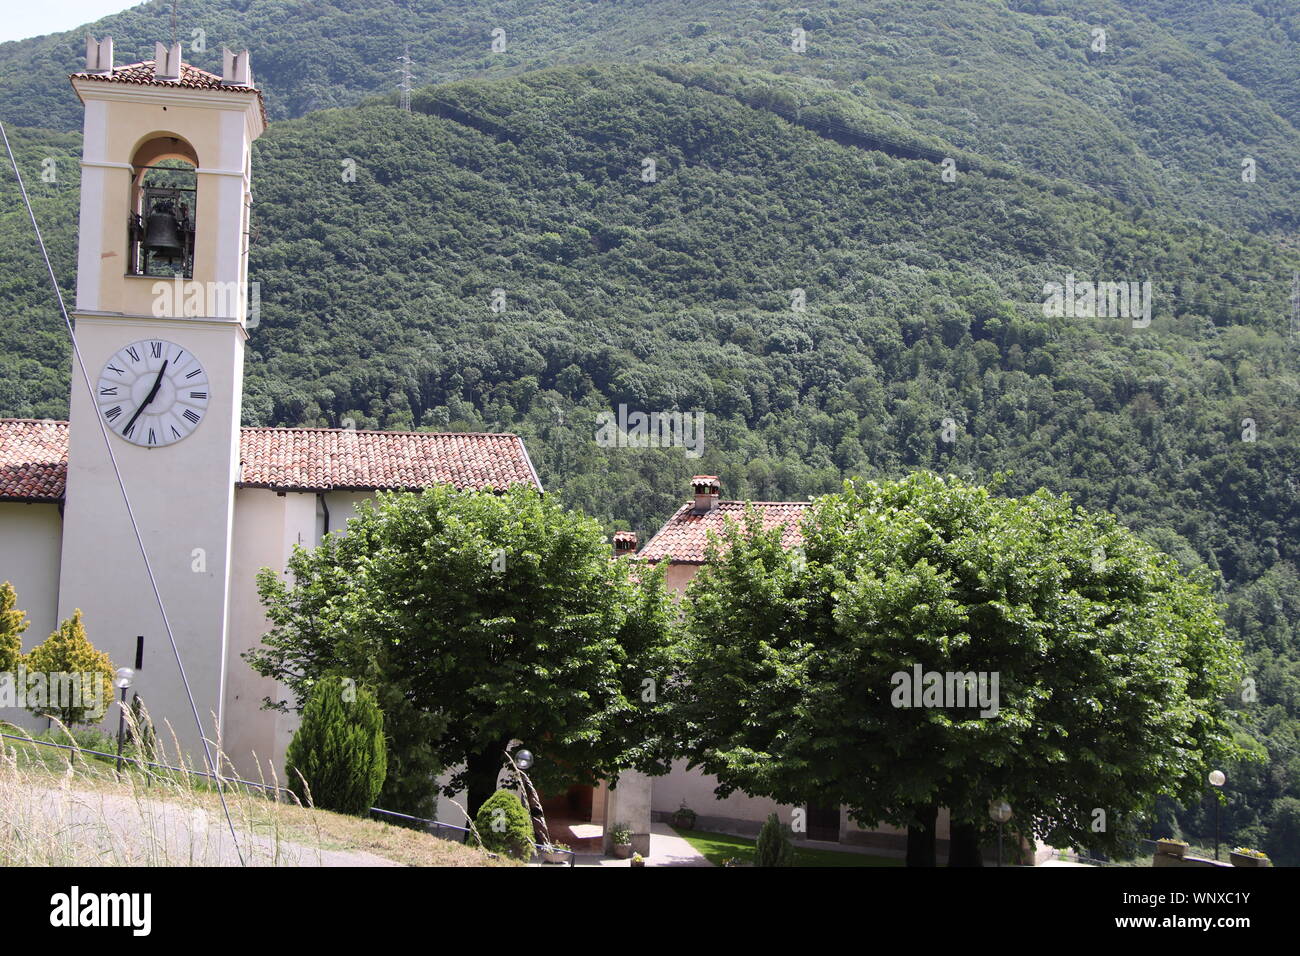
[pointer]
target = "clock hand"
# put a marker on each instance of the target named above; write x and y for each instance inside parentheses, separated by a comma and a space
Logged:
(153, 393)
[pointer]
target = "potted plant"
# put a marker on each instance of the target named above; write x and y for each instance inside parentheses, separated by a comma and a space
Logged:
(684, 817)
(620, 835)
(638, 859)
(556, 853)
(1244, 856)
(1171, 847)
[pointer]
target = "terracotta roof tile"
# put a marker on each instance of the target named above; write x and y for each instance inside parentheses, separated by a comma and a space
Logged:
(34, 459)
(320, 459)
(683, 537)
(142, 74)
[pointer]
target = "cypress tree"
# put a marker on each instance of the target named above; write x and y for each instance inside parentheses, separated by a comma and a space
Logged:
(339, 750)
(69, 652)
(773, 848)
(12, 625)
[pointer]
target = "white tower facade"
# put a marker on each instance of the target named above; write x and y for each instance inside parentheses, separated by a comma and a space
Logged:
(161, 312)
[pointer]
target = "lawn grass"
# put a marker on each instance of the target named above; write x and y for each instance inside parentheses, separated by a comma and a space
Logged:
(719, 847)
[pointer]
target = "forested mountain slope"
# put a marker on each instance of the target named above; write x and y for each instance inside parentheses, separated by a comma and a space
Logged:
(1183, 91)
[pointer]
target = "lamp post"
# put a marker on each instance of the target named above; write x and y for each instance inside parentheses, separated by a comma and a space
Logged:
(122, 680)
(1217, 780)
(999, 813)
(522, 760)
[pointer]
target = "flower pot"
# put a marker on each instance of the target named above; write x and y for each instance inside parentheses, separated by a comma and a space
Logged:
(638, 862)
(1171, 847)
(1241, 859)
(623, 850)
(555, 856)
(684, 821)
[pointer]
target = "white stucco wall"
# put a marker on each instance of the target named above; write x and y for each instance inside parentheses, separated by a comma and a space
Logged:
(267, 527)
(31, 537)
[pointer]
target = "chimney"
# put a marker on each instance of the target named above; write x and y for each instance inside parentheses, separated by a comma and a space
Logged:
(707, 488)
(166, 62)
(99, 56)
(235, 68)
(624, 543)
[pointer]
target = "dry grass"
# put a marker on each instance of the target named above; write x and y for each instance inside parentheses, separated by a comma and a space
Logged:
(67, 808)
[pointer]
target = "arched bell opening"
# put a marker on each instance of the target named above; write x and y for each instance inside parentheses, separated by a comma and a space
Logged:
(164, 198)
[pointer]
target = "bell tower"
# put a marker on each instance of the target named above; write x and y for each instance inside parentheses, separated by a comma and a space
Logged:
(161, 313)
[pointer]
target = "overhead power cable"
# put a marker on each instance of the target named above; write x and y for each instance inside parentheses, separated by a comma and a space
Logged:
(121, 484)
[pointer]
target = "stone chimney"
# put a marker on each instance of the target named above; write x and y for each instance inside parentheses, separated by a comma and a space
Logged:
(707, 489)
(99, 56)
(624, 543)
(235, 68)
(166, 62)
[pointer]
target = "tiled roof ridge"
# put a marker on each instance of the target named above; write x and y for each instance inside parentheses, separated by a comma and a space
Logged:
(371, 431)
(133, 73)
(34, 452)
(191, 78)
(683, 537)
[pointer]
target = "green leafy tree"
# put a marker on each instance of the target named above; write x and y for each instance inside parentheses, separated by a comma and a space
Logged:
(773, 847)
(504, 825)
(12, 624)
(338, 758)
(481, 619)
(67, 660)
(1111, 664)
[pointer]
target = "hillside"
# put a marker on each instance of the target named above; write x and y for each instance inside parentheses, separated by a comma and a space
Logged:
(776, 173)
(1184, 90)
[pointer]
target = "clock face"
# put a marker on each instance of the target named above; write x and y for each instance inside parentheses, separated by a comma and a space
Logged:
(153, 393)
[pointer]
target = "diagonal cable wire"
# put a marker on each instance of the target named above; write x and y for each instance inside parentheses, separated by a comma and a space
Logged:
(108, 445)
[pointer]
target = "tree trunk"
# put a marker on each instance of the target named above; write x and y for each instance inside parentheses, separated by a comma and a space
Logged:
(920, 837)
(964, 844)
(481, 773)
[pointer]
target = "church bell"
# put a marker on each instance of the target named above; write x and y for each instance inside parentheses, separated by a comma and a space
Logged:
(162, 234)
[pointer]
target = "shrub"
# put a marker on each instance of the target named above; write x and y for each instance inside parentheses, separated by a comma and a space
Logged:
(339, 750)
(620, 834)
(69, 652)
(773, 847)
(505, 826)
(12, 625)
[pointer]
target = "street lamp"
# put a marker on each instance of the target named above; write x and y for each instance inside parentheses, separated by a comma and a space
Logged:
(122, 680)
(999, 813)
(523, 759)
(1217, 780)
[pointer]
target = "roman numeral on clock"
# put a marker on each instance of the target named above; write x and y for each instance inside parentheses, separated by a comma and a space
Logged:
(197, 371)
(110, 390)
(135, 356)
(191, 416)
(155, 349)
(198, 394)
(113, 413)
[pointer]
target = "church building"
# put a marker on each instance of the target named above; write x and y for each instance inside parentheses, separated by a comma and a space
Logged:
(155, 401)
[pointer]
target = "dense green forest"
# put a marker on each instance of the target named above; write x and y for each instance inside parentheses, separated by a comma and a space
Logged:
(923, 341)
(1183, 91)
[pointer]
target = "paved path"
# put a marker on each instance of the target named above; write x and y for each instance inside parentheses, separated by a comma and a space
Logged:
(666, 849)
